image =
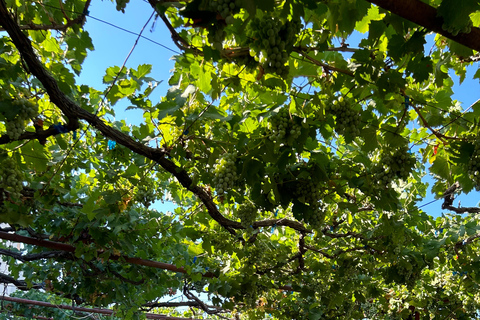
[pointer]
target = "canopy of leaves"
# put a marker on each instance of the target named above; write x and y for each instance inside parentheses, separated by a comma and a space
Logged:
(295, 162)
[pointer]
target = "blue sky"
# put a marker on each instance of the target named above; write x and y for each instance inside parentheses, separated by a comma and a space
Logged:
(113, 45)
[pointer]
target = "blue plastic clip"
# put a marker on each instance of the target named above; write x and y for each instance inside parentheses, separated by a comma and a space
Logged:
(60, 128)
(407, 101)
(111, 144)
(75, 135)
(194, 259)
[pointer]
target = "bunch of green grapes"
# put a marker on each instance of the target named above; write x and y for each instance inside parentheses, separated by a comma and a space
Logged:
(224, 173)
(316, 218)
(27, 110)
(310, 193)
(347, 119)
(406, 272)
(247, 213)
(394, 165)
(226, 8)
(218, 238)
(145, 195)
(473, 167)
(199, 286)
(272, 43)
(282, 125)
(11, 178)
(216, 35)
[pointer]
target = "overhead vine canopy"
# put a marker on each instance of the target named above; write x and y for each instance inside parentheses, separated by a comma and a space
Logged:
(294, 142)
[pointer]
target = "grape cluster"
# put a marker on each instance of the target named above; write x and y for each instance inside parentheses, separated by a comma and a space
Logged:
(473, 167)
(281, 126)
(224, 173)
(199, 286)
(226, 8)
(273, 42)
(27, 110)
(347, 119)
(392, 165)
(145, 195)
(310, 192)
(216, 35)
(316, 218)
(247, 213)
(11, 178)
(406, 272)
(217, 239)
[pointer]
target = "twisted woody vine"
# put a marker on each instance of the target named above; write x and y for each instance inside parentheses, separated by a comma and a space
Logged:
(298, 143)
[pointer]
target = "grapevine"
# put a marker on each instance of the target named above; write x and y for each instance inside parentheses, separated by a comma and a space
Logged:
(224, 173)
(473, 168)
(347, 119)
(247, 213)
(11, 178)
(16, 126)
(281, 126)
(393, 165)
(273, 42)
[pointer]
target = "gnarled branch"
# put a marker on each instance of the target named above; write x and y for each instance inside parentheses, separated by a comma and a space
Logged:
(34, 256)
